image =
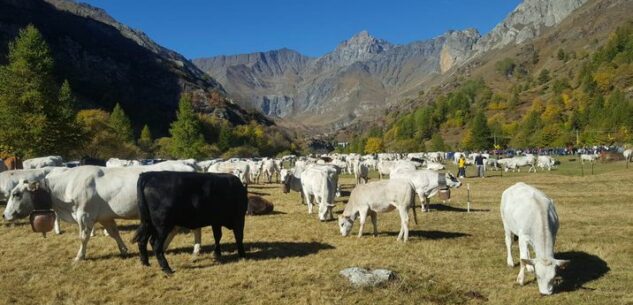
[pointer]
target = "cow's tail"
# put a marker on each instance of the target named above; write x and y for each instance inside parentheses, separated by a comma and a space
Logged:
(145, 230)
(412, 204)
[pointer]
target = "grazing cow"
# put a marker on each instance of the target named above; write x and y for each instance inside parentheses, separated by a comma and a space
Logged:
(530, 215)
(269, 167)
(13, 163)
(426, 183)
(378, 197)
(86, 195)
(167, 200)
(361, 171)
(42, 162)
(588, 157)
(320, 182)
(384, 168)
(229, 167)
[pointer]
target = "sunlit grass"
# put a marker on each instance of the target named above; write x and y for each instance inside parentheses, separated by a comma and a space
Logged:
(452, 257)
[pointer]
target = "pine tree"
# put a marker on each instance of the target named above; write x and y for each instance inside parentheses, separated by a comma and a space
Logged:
(186, 132)
(481, 135)
(36, 117)
(145, 142)
(121, 124)
(437, 143)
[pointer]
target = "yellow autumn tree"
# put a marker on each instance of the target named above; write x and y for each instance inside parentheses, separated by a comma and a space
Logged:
(374, 145)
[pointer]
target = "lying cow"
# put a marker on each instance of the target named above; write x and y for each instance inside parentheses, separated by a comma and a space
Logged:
(379, 197)
(190, 200)
(529, 214)
(42, 162)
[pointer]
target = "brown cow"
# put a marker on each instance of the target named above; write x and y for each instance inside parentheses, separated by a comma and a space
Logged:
(13, 163)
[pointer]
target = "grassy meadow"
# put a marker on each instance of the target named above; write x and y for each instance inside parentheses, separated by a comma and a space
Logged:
(452, 257)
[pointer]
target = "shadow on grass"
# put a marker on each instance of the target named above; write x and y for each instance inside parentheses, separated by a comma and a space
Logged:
(19, 223)
(264, 186)
(128, 227)
(262, 250)
(583, 268)
(433, 235)
(448, 208)
(267, 214)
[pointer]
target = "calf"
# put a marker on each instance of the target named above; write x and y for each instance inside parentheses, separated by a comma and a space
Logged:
(190, 200)
(379, 197)
(529, 214)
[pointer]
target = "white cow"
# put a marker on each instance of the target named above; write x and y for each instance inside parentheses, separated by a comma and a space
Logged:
(628, 154)
(426, 183)
(86, 195)
(291, 180)
(529, 214)
(229, 167)
(255, 170)
(42, 162)
(588, 157)
(434, 166)
(361, 171)
(544, 162)
(378, 197)
(269, 167)
(115, 162)
(320, 182)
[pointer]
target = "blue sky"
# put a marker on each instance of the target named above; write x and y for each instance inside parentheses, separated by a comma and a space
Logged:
(198, 28)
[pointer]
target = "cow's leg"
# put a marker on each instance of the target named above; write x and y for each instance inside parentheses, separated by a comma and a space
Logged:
(404, 224)
(523, 254)
(113, 231)
(197, 241)
(58, 230)
(238, 232)
(159, 250)
(217, 236)
(509, 260)
(374, 221)
(170, 237)
(362, 213)
(309, 202)
(142, 246)
(85, 226)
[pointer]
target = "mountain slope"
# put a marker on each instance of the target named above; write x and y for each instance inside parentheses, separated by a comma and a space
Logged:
(107, 62)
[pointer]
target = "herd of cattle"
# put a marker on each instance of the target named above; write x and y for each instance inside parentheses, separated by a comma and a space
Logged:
(175, 194)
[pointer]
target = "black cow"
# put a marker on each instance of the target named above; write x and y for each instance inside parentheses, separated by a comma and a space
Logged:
(190, 200)
(86, 160)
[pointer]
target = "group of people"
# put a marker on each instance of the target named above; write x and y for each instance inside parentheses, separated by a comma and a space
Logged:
(479, 163)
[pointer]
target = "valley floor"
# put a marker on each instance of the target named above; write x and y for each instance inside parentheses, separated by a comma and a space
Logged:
(452, 257)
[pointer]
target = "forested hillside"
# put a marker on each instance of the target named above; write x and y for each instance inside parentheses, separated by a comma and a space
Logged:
(588, 101)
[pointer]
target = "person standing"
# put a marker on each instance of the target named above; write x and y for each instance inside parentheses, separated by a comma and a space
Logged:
(461, 167)
(479, 162)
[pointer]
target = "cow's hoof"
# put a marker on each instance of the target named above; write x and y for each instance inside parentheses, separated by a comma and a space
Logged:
(168, 272)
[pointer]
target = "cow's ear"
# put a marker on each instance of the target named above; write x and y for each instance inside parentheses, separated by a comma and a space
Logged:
(34, 186)
(562, 263)
(528, 262)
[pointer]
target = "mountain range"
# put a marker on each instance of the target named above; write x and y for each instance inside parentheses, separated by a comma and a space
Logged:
(363, 76)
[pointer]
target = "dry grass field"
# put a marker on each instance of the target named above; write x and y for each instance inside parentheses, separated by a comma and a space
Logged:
(452, 257)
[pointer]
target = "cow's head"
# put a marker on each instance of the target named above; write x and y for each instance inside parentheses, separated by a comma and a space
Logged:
(345, 224)
(451, 181)
(545, 271)
(24, 198)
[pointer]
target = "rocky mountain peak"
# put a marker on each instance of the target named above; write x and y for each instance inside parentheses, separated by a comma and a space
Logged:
(363, 44)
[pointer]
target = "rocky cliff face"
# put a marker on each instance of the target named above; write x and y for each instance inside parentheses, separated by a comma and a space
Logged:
(107, 62)
(364, 75)
(526, 22)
